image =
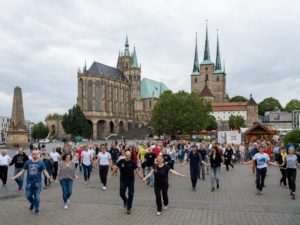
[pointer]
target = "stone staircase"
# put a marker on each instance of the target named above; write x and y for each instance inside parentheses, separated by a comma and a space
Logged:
(135, 133)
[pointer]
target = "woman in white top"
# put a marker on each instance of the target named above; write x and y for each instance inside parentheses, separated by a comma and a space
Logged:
(4, 162)
(104, 160)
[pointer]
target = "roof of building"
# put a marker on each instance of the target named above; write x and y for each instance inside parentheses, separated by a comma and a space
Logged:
(229, 106)
(252, 101)
(206, 92)
(258, 128)
(104, 70)
(151, 88)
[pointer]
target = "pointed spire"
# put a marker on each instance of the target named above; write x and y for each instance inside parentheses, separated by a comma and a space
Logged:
(126, 52)
(206, 58)
(84, 68)
(218, 65)
(134, 63)
(196, 61)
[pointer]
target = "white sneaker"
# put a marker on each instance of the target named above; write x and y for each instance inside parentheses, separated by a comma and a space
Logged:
(66, 206)
(104, 188)
(165, 207)
(85, 182)
(158, 213)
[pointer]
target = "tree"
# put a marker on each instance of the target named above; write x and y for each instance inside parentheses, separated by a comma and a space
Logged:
(292, 137)
(54, 116)
(293, 104)
(212, 123)
(39, 131)
(75, 123)
(179, 111)
(268, 104)
(236, 121)
(238, 98)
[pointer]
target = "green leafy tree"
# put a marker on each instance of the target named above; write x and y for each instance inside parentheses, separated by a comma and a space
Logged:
(75, 123)
(268, 104)
(212, 123)
(293, 104)
(238, 98)
(236, 121)
(292, 137)
(179, 111)
(39, 131)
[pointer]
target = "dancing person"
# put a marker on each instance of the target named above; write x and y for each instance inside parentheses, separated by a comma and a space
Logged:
(195, 159)
(149, 163)
(161, 184)
(202, 166)
(261, 160)
(47, 160)
(127, 168)
(171, 151)
(114, 152)
(4, 163)
(56, 158)
(66, 174)
(104, 160)
(18, 160)
(291, 161)
(34, 167)
(215, 158)
(228, 156)
(282, 166)
(86, 162)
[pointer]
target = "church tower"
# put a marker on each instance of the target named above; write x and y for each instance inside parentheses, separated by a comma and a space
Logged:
(209, 77)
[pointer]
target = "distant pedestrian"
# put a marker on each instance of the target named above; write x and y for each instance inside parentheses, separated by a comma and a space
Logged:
(216, 160)
(4, 163)
(86, 162)
(104, 161)
(291, 161)
(55, 158)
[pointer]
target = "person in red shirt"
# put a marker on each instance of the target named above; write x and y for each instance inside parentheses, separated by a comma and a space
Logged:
(268, 149)
(156, 150)
(78, 152)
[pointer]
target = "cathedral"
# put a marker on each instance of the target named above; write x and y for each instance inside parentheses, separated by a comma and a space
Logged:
(116, 99)
(209, 80)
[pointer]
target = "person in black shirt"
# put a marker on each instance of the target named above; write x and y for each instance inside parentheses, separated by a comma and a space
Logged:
(202, 166)
(127, 168)
(215, 165)
(195, 159)
(161, 184)
(114, 151)
(149, 163)
(228, 156)
(19, 160)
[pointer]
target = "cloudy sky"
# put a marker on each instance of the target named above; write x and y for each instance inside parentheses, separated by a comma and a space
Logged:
(42, 44)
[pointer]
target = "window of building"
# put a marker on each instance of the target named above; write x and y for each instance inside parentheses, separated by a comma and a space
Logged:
(206, 68)
(195, 79)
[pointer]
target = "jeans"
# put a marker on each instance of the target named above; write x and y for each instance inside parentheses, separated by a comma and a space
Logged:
(161, 189)
(55, 169)
(151, 179)
(291, 175)
(260, 178)
(32, 193)
(171, 164)
(214, 175)
(66, 186)
(283, 176)
(103, 170)
(86, 171)
(123, 186)
(3, 174)
(194, 172)
(202, 171)
(20, 179)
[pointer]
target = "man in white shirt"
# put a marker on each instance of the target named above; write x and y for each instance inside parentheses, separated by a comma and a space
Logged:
(104, 160)
(4, 163)
(86, 161)
(55, 156)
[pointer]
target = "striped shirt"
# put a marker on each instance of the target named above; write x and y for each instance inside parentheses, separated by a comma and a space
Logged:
(66, 172)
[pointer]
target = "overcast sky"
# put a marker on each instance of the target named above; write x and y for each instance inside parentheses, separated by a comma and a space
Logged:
(43, 44)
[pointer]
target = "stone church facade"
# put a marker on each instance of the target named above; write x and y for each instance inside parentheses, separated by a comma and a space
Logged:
(209, 80)
(112, 98)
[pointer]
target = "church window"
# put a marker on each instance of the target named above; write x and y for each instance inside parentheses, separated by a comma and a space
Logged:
(98, 95)
(90, 95)
(218, 79)
(206, 68)
(195, 79)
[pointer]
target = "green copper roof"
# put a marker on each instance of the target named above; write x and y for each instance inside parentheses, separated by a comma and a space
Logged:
(152, 88)
(206, 58)
(134, 63)
(126, 52)
(196, 61)
(218, 65)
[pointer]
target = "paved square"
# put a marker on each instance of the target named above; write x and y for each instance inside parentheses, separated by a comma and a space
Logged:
(234, 203)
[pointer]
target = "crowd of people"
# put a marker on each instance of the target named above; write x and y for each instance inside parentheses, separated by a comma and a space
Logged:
(151, 162)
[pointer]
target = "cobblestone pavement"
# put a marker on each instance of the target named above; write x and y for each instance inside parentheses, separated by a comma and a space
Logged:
(234, 203)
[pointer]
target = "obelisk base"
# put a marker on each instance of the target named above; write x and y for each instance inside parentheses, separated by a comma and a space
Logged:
(17, 137)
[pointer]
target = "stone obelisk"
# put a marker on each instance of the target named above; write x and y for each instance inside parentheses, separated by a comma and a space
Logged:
(17, 133)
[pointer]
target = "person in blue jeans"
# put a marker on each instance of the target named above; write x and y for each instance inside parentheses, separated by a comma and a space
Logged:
(66, 174)
(34, 168)
(19, 161)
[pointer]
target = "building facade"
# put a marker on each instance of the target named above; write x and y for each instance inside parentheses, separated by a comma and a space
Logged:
(111, 98)
(209, 80)
(279, 121)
